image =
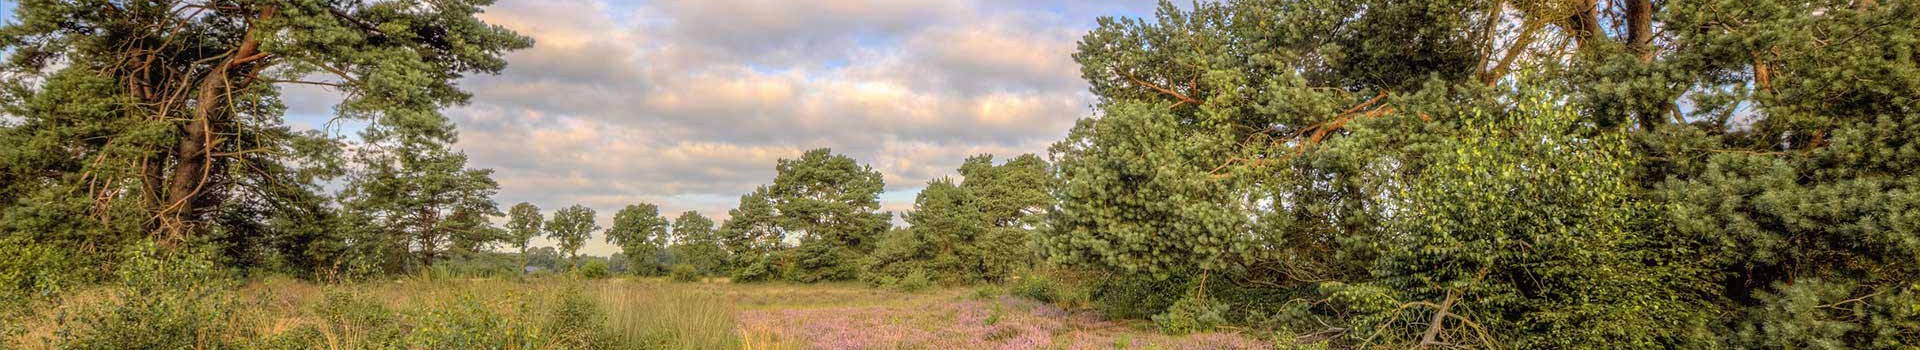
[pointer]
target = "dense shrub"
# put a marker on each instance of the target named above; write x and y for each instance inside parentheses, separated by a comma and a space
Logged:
(913, 282)
(595, 269)
(165, 301)
(1744, 183)
(1038, 287)
(1191, 315)
(683, 273)
(357, 322)
(761, 269)
(576, 322)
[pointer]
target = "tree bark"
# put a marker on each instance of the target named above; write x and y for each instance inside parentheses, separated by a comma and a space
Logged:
(1640, 28)
(1585, 23)
(193, 153)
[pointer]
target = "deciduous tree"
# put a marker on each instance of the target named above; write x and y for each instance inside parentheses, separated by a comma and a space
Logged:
(642, 234)
(569, 229)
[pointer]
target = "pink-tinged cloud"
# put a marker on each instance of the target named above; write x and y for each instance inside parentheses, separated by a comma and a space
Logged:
(689, 103)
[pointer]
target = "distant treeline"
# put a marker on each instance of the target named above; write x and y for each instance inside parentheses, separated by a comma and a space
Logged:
(1347, 174)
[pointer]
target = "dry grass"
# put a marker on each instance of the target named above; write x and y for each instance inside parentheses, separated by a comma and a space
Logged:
(656, 314)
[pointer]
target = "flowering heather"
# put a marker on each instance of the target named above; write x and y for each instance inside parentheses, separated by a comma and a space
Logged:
(955, 323)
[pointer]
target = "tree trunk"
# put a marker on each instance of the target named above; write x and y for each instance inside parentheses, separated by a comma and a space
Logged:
(1585, 23)
(1640, 28)
(193, 154)
(193, 158)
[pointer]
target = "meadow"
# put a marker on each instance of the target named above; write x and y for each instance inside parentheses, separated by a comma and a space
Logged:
(559, 312)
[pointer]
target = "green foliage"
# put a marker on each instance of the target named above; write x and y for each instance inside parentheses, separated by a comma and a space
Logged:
(1011, 194)
(422, 198)
(576, 322)
(479, 265)
(30, 270)
(914, 281)
(751, 232)
(1047, 287)
(683, 273)
(570, 228)
(763, 269)
(696, 244)
(832, 202)
(137, 119)
(1816, 314)
(1192, 315)
(595, 269)
(946, 223)
(523, 224)
(959, 236)
(168, 301)
(642, 234)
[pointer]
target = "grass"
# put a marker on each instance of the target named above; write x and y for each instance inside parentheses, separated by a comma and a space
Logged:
(561, 313)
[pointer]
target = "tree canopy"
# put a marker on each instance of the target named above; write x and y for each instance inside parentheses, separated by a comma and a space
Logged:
(163, 120)
(1503, 174)
(642, 235)
(570, 227)
(696, 244)
(831, 203)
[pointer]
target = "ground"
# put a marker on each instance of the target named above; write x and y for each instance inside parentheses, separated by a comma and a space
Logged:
(722, 315)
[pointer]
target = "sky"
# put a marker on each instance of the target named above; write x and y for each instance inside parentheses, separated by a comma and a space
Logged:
(688, 104)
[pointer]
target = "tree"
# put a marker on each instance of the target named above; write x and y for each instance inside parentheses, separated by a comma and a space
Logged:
(642, 234)
(752, 236)
(973, 231)
(1012, 194)
(181, 98)
(832, 203)
(523, 224)
(696, 244)
(422, 198)
(947, 224)
(545, 258)
(569, 228)
(1302, 149)
(1250, 151)
(1012, 197)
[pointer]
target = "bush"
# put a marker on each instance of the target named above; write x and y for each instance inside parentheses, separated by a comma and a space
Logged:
(576, 323)
(757, 270)
(167, 301)
(683, 273)
(595, 269)
(1038, 287)
(1191, 315)
(348, 321)
(988, 292)
(467, 323)
(913, 282)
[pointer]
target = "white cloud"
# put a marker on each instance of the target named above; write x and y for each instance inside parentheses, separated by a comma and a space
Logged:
(689, 103)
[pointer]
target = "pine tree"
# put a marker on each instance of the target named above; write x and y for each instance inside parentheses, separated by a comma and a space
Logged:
(831, 203)
(750, 236)
(696, 244)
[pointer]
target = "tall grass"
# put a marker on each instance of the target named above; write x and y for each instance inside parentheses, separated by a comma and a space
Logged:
(421, 312)
(668, 316)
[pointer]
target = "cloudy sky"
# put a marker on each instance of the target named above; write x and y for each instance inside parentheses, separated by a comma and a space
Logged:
(689, 103)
